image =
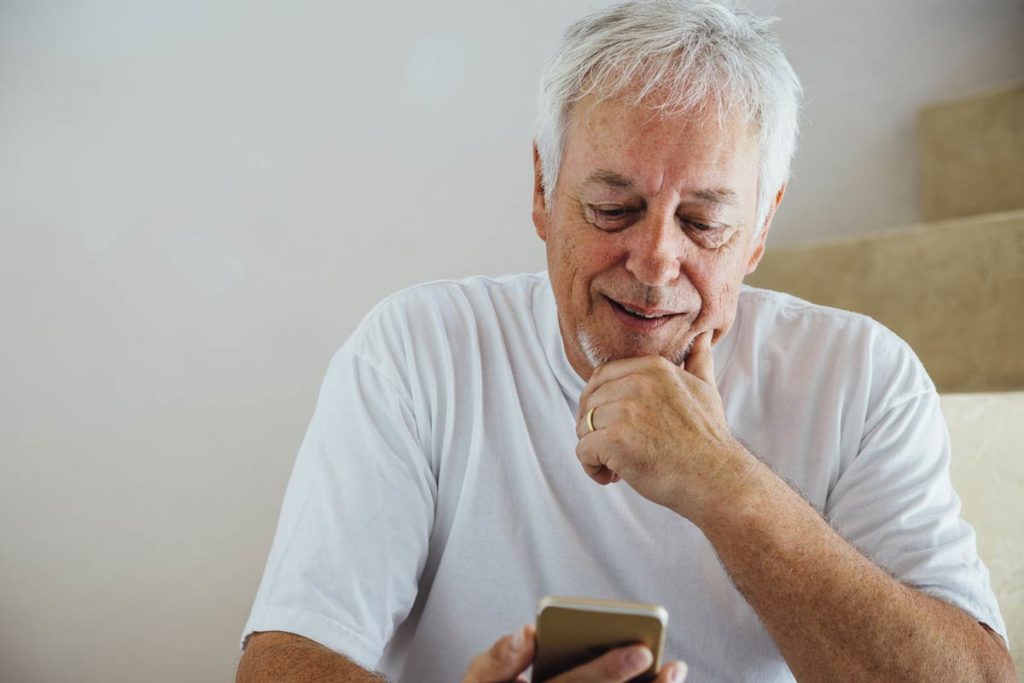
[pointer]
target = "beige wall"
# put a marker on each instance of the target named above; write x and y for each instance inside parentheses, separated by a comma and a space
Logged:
(199, 200)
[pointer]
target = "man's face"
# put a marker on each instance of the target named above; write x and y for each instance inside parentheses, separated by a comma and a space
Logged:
(649, 232)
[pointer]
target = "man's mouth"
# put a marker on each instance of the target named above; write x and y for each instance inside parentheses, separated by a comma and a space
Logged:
(642, 312)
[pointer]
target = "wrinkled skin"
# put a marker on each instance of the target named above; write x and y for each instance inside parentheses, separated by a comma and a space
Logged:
(653, 212)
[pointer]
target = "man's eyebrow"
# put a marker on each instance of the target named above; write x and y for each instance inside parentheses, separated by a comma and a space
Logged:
(716, 195)
(611, 179)
(710, 195)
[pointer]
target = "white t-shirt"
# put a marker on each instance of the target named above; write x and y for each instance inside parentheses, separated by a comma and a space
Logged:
(437, 496)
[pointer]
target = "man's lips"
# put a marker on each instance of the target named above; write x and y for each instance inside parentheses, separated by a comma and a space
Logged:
(640, 318)
(641, 311)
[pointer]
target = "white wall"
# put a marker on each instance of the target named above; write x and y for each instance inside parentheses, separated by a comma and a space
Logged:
(867, 68)
(198, 200)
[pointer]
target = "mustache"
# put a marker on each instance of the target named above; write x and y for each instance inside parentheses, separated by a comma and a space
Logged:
(652, 297)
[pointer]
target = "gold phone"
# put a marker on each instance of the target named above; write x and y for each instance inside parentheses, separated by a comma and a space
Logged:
(573, 631)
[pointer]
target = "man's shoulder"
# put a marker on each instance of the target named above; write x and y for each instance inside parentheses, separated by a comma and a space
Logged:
(464, 298)
(438, 313)
(779, 314)
(502, 287)
(783, 329)
(770, 303)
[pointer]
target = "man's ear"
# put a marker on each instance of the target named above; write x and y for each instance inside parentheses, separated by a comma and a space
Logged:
(758, 252)
(540, 208)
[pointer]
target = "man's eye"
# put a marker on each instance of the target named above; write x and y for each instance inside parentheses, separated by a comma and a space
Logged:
(611, 217)
(698, 226)
(710, 236)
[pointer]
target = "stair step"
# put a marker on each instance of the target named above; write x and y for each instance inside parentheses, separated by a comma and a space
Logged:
(954, 290)
(972, 155)
(986, 431)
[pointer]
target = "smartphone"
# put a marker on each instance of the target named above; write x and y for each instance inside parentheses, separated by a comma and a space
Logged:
(573, 631)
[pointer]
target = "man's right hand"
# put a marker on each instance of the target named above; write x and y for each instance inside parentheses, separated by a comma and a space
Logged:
(510, 656)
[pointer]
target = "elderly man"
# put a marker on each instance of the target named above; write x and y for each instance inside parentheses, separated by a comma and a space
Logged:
(633, 424)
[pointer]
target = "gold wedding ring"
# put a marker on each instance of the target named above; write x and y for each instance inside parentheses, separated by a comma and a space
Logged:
(590, 419)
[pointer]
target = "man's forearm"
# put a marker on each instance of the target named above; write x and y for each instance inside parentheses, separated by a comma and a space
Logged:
(834, 614)
(276, 657)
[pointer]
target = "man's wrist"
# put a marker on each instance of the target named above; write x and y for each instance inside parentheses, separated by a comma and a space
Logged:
(740, 487)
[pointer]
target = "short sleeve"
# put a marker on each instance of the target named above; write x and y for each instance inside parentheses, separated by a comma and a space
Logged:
(353, 532)
(896, 504)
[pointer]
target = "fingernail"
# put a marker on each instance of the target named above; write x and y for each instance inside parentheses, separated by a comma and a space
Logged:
(639, 657)
(518, 638)
(678, 673)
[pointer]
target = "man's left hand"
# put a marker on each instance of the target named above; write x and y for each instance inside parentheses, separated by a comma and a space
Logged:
(662, 429)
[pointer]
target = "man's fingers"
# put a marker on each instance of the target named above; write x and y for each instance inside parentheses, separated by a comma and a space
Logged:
(617, 666)
(594, 449)
(507, 658)
(590, 459)
(673, 672)
(599, 403)
(611, 371)
(700, 362)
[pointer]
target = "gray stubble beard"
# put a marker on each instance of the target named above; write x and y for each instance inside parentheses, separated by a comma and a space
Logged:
(597, 358)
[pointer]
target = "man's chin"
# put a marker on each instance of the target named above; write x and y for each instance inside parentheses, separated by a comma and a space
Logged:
(599, 353)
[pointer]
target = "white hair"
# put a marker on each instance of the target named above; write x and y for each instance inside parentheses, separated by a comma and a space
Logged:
(677, 56)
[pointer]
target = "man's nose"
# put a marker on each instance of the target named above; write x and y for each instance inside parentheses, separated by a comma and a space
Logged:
(656, 251)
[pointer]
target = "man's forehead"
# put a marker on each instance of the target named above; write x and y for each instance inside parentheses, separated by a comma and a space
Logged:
(625, 145)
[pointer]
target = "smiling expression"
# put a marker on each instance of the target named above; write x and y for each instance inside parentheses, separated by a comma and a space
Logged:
(649, 231)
